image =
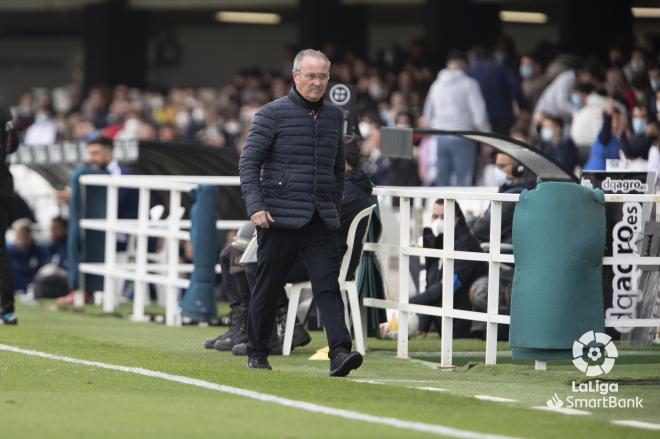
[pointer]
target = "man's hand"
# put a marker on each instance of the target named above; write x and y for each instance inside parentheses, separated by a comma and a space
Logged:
(262, 219)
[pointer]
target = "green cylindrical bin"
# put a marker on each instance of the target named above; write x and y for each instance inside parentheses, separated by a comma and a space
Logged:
(558, 246)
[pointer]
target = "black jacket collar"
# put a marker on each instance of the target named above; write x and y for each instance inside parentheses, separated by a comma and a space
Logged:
(298, 99)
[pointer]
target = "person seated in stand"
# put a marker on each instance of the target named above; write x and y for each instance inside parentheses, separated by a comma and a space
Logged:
(512, 178)
(465, 272)
(51, 279)
(57, 250)
(609, 141)
(25, 256)
(556, 145)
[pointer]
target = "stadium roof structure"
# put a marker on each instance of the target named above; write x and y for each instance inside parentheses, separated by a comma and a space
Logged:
(397, 142)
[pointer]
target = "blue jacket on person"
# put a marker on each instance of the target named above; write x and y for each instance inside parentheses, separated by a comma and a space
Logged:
(606, 146)
(127, 198)
(499, 89)
(58, 254)
(293, 162)
(25, 262)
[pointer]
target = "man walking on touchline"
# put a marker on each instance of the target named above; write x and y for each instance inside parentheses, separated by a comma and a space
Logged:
(292, 179)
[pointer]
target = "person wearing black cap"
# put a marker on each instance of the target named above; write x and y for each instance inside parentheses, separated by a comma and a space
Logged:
(8, 144)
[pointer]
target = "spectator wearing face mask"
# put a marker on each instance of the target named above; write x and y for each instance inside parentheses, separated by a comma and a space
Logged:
(44, 129)
(554, 144)
(588, 118)
(512, 178)
(533, 82)
(608, 143)
(642, 138)
(465, 272)
(653, 132)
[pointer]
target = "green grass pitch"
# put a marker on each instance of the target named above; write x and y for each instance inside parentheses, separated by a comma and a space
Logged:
(43, 398)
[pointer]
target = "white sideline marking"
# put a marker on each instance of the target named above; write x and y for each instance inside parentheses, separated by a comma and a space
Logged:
(637, 424)
(562, 410)
(431, 389)
(301, 405)
(494, 398)
(379, 381)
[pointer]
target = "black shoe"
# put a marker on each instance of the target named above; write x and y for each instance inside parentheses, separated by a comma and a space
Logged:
(209, 343)
(241, 350)
(237, 331)
(9, 318)
(344, 362)
(274, 345)
(258, 363)
(226, 344)
(300, 336)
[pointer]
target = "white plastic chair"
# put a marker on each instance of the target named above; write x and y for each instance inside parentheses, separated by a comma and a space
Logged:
(347, 287)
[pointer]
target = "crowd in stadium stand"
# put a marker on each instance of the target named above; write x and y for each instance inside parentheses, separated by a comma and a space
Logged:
(580, 111)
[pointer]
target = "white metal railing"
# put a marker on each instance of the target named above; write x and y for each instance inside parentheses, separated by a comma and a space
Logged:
(173, 230)
(493, 257)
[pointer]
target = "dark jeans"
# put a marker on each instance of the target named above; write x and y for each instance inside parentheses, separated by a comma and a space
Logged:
(278, 250)
(6, 283)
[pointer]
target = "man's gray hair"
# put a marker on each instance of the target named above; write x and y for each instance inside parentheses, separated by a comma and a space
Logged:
(308, 52)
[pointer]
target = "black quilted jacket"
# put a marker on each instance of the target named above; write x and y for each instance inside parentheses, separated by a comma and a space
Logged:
(293, 163)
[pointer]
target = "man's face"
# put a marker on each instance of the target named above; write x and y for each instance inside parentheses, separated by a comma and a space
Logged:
(312, 78)
(57, 231)
(438, 212)
(23, 237)
(505, 164)
(99, 155)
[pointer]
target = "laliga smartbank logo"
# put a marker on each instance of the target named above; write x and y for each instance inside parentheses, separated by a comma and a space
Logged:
(594, 354)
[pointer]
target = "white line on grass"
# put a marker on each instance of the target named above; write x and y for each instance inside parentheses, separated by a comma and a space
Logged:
(384, 381)
(562, 410)
(494, 398)
(308, 406)
(637, 424)
(431, 389)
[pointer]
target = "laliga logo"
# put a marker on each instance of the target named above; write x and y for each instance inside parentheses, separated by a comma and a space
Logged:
(594, 353)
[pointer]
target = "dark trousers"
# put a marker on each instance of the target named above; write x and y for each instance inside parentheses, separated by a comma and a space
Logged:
(433, 297)
(6, 283)
(278, 250)
(235, 285)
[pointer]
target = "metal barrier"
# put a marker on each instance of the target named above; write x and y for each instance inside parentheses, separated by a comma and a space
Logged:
(173, 230)
(493, 257)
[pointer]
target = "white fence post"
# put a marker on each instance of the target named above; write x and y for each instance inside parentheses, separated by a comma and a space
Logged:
(447, 338)
(172, 310)
(493, 281)
(404, 273)
(79, 294)
(140, 286)
(109, 283)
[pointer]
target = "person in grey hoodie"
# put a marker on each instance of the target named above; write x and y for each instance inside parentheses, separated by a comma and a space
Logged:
(455, 103)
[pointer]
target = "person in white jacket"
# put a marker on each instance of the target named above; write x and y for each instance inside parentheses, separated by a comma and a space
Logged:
(587, 120)
(455, 103)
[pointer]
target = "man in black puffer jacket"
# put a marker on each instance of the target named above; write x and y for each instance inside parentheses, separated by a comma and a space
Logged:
(292, 179)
